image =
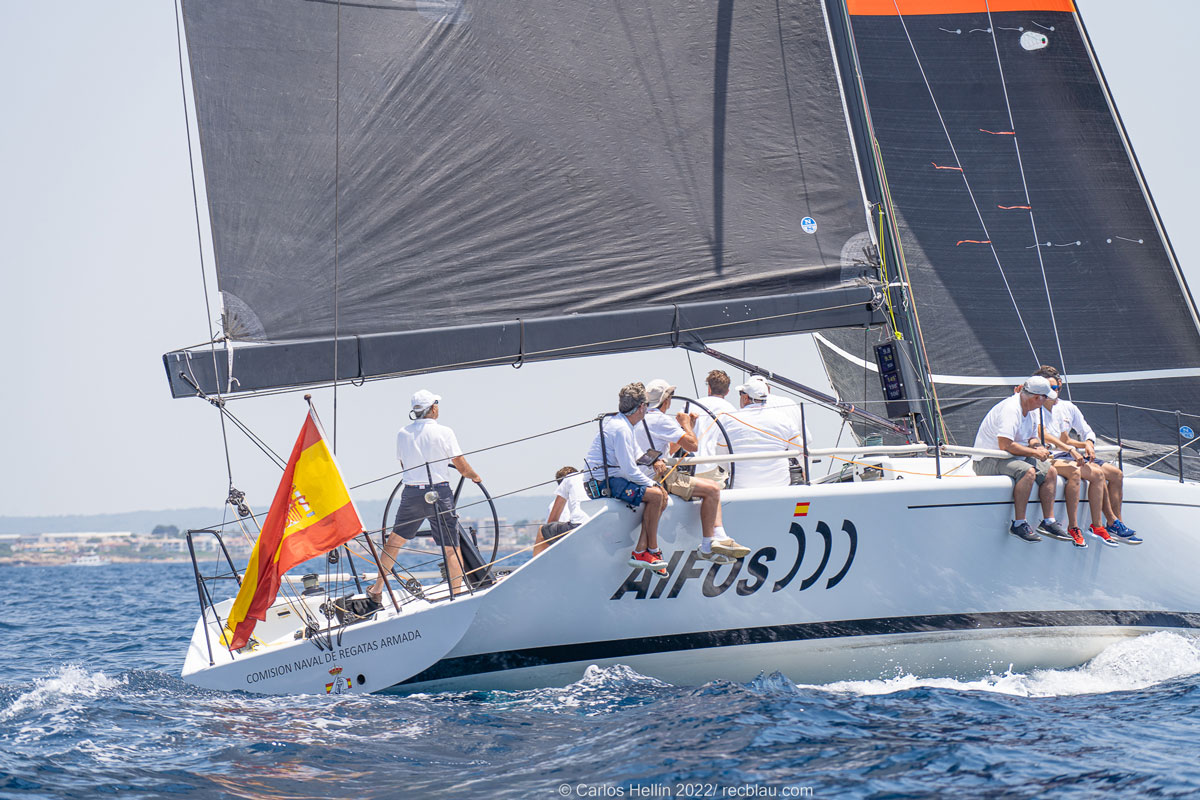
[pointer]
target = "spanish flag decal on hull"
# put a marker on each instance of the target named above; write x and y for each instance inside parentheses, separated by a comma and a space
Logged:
(312, 513)
(801, 510)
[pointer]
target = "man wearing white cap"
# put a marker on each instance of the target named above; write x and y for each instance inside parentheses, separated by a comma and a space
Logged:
(427, 449)
(1007, 427)
(659, 431)
(755, 428)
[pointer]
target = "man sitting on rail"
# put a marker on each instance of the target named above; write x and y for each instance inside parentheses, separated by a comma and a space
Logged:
(755, 428)
(659, 431)
(567, 497)
(1071, 467)
(1007, 427)
(1068, 417)
(612, 460)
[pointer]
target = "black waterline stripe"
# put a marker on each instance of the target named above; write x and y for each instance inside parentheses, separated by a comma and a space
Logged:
(959, 505)
(618, 648)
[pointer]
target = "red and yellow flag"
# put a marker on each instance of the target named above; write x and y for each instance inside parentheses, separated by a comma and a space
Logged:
(801, 510)
(312, 513)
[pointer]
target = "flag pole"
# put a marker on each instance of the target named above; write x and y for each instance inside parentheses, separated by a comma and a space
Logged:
(370, 544)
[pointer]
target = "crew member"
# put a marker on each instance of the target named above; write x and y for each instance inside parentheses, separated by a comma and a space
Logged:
(1008, 427)
(709, 426)
(567, 499)
(1068, 417)
(426, 450)
(612, 460)
(659, 431)
(755, 428)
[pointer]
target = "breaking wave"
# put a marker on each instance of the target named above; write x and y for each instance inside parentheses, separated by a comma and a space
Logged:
(1128, 665)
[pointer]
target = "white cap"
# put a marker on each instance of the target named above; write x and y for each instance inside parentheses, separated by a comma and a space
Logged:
(1039, 386)
(656, 390)
(422, 399)
(756, 387)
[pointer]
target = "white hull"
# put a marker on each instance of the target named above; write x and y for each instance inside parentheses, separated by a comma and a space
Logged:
(935, 587)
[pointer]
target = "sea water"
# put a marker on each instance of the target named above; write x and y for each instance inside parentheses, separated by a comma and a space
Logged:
(91, 705)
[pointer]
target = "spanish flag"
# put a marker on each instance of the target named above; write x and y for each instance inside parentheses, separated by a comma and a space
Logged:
(801, 510)
(312, 514)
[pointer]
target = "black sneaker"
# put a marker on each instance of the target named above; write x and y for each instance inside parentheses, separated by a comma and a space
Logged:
(1054, 530)
(1022, 531)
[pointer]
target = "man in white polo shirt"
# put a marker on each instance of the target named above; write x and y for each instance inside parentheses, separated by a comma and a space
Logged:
(427, 449)
(755, 428)
(1008, 427)
(567, 500)
(666, 434)
(709, 426)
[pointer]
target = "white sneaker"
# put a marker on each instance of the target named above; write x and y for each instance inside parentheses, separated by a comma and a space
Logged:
(716, 558)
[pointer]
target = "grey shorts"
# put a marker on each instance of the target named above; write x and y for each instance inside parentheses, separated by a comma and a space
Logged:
(1014, 468)
(415, 509)
(551, 530)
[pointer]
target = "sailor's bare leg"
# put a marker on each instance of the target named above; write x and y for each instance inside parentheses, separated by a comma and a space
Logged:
(1097, 492)
(653, 503)
(710, 505)
(1070, 474)
(539, 543)
(1021, 493)
(386, 559)
(1047, 491)
(454, 572)
(1116, 482)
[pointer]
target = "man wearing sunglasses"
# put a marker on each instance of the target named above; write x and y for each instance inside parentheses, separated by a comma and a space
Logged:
(1065, 417)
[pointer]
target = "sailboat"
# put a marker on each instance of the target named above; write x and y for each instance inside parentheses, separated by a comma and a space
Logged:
(939, 189)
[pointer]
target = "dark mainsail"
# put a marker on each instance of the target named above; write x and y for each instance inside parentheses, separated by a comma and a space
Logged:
(415, 177)
(1027, 231)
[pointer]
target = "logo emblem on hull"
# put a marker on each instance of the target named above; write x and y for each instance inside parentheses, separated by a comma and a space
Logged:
(686, 565)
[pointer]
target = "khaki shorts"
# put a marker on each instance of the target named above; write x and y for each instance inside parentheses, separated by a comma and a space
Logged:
(718, 476)
(1014, 468)
(680, 485)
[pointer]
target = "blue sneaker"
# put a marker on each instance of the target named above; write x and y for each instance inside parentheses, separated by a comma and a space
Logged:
(1022, 531)
(1124, 533)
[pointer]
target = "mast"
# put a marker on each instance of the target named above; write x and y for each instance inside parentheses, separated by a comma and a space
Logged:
(897, 296)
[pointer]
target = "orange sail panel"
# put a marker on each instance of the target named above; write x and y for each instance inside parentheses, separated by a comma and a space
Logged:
(888, 8)
(312, 513)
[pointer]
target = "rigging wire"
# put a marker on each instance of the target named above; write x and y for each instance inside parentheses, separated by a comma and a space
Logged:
(1025, 185)
(908, 297)
(212, 343)
(337, 220)
(966, 182)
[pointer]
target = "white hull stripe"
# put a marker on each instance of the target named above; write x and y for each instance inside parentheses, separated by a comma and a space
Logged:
(1013, 380)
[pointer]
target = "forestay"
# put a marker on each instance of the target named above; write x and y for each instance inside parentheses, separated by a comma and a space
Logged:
(616, 176)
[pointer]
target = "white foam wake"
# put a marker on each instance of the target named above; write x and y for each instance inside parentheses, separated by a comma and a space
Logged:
(60, 691)
(1125, 666)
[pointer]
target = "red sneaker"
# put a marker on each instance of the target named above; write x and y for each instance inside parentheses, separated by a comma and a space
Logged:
(1077, 537)
(645, 560)
(1100, 533)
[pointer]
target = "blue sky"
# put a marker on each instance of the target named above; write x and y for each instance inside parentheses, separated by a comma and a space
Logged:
(100, 261)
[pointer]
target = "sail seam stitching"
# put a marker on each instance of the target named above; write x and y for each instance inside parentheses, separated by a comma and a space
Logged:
(958, 162)
(1025, 186)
